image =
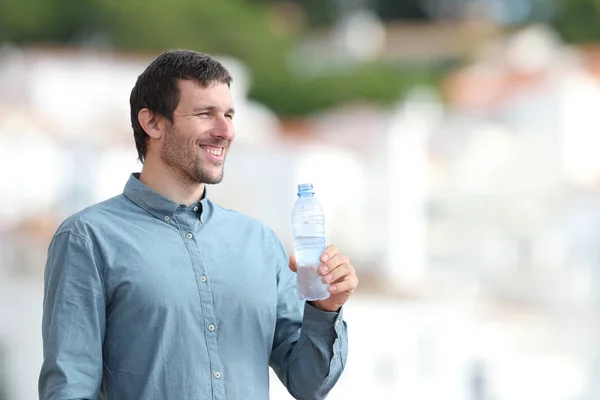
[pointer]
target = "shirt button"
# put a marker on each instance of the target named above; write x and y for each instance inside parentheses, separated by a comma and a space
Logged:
(196, 208)
(202, 278)
(337, 322)
(217, 374)
(189, 235)
(211, 327)
(167, 218)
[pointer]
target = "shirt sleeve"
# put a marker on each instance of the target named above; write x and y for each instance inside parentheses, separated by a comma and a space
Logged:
(310, 347)
(73, 321)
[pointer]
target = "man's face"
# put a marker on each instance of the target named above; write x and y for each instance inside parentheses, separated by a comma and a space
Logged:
(197, 142)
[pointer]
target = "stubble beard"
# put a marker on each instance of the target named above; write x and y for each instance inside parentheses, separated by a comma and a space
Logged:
(187, 162)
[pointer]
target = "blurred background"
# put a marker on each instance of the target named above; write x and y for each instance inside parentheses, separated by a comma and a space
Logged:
(452, 143)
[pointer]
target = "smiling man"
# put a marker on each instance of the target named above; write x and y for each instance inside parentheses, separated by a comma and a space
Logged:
(158, 293)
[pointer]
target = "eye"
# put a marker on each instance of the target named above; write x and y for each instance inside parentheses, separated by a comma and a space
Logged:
(203, 114)
(229, 116)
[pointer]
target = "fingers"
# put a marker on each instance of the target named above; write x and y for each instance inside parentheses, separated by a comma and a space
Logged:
(347, 284)
(339, 272)
(328, 253)
(333, 262)
(342, 279)
(293, 264)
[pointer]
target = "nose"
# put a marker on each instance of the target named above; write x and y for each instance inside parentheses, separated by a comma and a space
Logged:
(223, 128)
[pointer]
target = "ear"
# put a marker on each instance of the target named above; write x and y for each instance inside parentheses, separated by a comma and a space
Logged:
(150, 123)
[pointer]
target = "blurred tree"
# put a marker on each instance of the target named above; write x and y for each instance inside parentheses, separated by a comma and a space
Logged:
(411, 10)
(245, 30)
(56, 20)
(577, 20)
(148, 25)
(319, 12)
(323, 12)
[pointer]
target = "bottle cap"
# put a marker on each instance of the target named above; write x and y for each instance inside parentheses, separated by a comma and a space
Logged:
(305, 188)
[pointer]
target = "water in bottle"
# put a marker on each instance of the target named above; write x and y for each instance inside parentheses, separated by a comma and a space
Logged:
(308, 227)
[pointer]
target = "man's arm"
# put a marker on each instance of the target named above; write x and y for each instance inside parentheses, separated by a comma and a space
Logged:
(73, 322)
(310, 346)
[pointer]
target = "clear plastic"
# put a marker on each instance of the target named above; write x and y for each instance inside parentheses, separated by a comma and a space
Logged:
(308, 227)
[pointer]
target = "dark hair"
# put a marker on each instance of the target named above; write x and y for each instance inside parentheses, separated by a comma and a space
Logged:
(157, 87)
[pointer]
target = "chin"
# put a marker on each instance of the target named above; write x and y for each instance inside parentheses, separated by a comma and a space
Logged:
(212, 179)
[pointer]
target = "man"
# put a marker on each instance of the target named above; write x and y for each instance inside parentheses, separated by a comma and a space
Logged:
(159, 293)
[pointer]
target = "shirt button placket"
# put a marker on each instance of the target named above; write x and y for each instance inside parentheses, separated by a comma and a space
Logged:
(208, 313)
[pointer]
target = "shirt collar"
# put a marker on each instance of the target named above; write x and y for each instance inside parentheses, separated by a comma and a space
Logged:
(158, 205)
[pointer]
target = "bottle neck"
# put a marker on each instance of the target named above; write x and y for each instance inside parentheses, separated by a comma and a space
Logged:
(306, 194)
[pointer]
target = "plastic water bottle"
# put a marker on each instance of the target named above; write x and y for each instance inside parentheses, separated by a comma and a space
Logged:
(308, 227)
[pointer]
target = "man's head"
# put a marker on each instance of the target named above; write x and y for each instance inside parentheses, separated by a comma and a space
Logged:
(181, 114)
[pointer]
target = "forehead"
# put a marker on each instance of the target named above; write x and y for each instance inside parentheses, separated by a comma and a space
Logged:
(192, 94)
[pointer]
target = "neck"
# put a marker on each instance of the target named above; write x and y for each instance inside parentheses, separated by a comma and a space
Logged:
(170, 183)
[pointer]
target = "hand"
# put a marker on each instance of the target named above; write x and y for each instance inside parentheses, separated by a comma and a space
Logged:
(337, 271)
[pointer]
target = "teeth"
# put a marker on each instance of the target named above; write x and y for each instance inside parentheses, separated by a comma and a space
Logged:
(214, 152)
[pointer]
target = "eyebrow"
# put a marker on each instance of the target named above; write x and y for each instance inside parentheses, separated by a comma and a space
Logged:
(230, 110)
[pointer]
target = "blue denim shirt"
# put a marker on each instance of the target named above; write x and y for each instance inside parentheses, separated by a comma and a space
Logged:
(148, 299)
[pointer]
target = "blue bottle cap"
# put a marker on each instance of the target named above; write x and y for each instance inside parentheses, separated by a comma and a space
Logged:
(305, 188)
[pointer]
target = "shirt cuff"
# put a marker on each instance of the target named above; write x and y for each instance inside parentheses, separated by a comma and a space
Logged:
(320, 322)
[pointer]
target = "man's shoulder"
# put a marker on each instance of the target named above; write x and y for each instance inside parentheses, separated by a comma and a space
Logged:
(83, 221)
(241, 219)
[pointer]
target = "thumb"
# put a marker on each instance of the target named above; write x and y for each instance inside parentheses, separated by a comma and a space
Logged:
(293, 265)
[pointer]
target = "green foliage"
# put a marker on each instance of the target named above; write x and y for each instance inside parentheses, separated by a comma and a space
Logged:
(372, 82)
(239, 28)
(577, 20)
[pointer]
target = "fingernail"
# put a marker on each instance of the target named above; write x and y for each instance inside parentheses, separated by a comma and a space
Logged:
(327, 278)
(332, 288)
(324, 269)
(324, 257)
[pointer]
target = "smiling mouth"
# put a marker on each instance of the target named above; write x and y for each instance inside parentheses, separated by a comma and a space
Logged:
(215, 151)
